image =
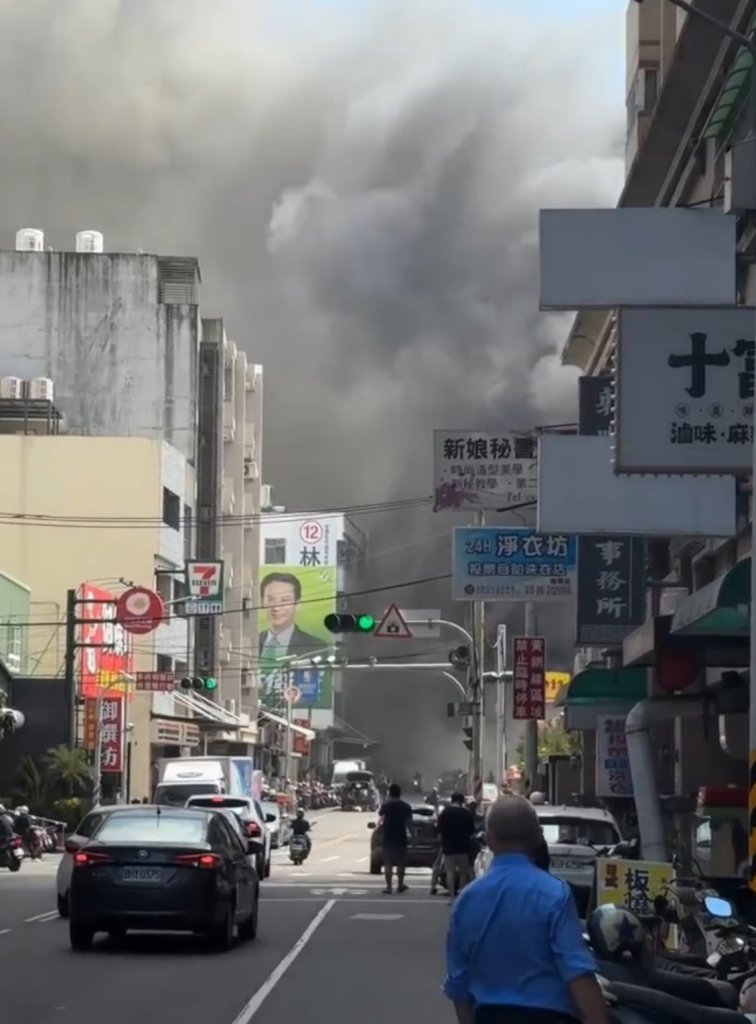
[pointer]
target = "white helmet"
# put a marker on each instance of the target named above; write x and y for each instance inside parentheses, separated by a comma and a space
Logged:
(22, 810)
(537, 798)
(614, 930)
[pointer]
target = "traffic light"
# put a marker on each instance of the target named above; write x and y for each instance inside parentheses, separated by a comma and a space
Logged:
(197, 683)
(362, 623)
(460, 656)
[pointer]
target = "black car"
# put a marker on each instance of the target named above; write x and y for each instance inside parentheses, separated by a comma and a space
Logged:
(164, 869)
(422, 842)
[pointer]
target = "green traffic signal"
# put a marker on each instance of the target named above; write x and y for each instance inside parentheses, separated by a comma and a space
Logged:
(365, 623)
(362, 623)
(211, 684)
(197, 683)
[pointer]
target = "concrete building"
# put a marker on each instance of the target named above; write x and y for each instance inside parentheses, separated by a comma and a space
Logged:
(99, 510)
(15, 612)
(326, 553)
(687, 100)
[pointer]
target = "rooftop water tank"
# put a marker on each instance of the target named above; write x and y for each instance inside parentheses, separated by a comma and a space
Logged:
(41, 389)
(30, 240)
(89, 241)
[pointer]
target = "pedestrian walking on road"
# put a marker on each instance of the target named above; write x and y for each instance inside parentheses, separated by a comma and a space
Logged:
(456, 826)
(515, 952)
(395, 817)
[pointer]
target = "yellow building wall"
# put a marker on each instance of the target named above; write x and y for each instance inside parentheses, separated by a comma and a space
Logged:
(81, 478)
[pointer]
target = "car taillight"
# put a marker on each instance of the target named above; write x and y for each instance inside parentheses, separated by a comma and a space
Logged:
(209, 861)
(86, 859)
(17, 841)
(253, 829)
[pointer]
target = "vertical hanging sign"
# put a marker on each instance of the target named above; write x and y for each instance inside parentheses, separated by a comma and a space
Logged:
(529, 685)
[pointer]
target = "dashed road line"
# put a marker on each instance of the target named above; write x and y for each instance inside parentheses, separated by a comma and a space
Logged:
(49, 915)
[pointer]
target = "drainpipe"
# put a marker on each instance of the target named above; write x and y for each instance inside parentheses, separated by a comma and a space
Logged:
(640, 754)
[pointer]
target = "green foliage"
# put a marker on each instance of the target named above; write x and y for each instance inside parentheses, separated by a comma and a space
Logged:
(69, 769)
(31, 786)
(553, 739)
(57, 787)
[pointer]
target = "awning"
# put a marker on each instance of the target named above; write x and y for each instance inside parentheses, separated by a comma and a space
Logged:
(733, 95)
(600, 691)
(721, 608)
(207, 711)
(641, 647)
(342, 732)
(309, 734)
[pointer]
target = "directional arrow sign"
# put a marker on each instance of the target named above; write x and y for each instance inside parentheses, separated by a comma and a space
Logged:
(392, 626)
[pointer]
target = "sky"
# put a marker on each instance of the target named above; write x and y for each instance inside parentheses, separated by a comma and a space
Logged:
(361, 183)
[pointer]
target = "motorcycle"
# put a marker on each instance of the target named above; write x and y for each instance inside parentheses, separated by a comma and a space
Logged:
(298, 849)
(640, 1005)
(12, 853)
(34, 842)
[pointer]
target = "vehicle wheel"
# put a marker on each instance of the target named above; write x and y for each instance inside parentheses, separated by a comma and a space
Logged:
(375, 867)
(260, 867)
(248, 928)
(222, 936)
(80, 936)
(266, 873)
(62, 906)
(14, 864)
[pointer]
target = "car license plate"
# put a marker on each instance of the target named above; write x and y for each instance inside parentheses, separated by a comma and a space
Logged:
(141, 875)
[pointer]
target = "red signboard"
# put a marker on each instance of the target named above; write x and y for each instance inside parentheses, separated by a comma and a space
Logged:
(155, 682)
(139, 610)
(299, 743)
(111, 734)
(529, 687)
(108, 652)
(90, 724)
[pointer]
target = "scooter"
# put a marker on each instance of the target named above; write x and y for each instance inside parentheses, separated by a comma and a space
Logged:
(298, 849)
(12, 853)
(634, 1003)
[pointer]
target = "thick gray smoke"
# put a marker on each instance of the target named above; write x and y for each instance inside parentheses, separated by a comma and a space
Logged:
(362, 192)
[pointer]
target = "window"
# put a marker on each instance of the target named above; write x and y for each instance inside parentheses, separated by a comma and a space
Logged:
(88, 825)
(187, 532)
(578, 831)
(15, 647)
(171, 509)
(156, 828)
(164, 585)
(163, 663)
(275, 551)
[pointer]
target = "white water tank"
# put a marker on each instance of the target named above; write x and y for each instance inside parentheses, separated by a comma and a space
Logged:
(11, 387)
(30, 240)
(89, 241)
(41, 389)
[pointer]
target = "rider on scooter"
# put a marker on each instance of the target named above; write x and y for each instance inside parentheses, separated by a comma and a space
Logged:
(301, 827)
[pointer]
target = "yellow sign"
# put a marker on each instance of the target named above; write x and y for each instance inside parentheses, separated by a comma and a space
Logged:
(554, 683)
(632, 883)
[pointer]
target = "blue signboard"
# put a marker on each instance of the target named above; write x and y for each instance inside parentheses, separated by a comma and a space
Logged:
(493, 563)
(308, 681)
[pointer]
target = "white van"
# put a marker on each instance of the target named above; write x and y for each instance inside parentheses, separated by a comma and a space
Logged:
(341, 769)
(184, 778)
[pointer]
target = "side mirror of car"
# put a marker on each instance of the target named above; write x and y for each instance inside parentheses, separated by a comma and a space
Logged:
(371, 824)
(254, 846)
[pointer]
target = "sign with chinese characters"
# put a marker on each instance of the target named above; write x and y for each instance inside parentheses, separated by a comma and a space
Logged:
(307, 682)
(103, 648)
(491, 563)
(111, 734)
(479, 470)
(155, 682)
(205, 579)
(611, 588)
(632, 883)
(613, 776)
(528, 684)
(595, 406)
(299, 743)
(685, 390)
(89, 739)
(555, 683)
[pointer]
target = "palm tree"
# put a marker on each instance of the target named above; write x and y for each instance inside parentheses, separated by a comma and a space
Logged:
(31, 785)
(69, 768)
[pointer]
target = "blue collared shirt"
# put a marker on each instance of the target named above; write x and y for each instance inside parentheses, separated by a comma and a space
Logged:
(515, 939)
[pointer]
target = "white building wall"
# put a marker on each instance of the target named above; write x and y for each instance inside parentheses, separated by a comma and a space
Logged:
(122, 362)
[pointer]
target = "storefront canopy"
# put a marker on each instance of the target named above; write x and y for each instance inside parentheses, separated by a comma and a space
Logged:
(600, 691)
(721, 608)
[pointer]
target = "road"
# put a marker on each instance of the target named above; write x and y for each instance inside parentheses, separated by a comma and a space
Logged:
(331, 948)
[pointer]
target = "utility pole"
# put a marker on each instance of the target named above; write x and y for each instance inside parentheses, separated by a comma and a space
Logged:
(501, 703)
(476, 686)
(69, 672)
(531, 726)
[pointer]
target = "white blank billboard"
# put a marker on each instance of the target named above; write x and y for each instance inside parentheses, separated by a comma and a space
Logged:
(579, 492)
(636, 256)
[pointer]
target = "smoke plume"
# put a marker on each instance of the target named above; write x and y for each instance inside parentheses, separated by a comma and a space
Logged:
(361, 187)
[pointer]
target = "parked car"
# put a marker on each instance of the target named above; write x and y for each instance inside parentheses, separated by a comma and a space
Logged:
(251, 818)
(278, 823)
(575, 837)
(164, 869)
(422, 844)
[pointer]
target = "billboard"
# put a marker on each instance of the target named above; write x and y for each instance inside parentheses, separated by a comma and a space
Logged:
(579, 492)
(478, 470)
(495, 563)
(685, 390)
(106, 650)
(294, 600)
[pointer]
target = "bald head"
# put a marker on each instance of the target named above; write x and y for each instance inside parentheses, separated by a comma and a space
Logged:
(512, 824)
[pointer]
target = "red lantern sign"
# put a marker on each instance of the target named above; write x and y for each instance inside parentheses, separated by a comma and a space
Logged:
(676, 668)
(139, 610)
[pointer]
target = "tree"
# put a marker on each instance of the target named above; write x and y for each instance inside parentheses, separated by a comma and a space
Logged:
(68, 768)
(553, 739)
(32, 788)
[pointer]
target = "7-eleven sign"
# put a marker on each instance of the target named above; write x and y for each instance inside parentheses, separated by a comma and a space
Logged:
(205, 579)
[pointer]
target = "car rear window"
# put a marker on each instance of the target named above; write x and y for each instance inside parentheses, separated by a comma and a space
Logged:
(176, 795)
(216, 802)
(578, 831)
(155, 828)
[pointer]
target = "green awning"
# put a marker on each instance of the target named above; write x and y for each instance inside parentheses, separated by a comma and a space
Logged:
(721, 608)
(733, 95)
(604, 686)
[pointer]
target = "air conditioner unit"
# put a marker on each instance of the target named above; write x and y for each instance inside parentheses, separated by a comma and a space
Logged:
(11, 387)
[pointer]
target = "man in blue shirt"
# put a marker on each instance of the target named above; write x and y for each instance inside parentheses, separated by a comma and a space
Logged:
(515, 952)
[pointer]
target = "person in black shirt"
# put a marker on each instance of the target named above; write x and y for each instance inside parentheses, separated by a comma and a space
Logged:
(456, 826)
(395, 818)
(301, 827)
(541, 856)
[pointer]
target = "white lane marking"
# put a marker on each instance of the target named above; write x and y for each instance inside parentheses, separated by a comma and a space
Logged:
(348, 899)
(4, 931)
(339, 892)
(362, 860)
(48, 915)
(376, 917)
(248, 1012)
(325, 860)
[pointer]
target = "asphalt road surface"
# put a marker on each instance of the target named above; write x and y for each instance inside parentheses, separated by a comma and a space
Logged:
(331, 948)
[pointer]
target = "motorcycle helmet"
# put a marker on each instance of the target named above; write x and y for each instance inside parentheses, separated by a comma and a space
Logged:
(22, 810)
(614, 930)
(300, 813)
(537, 798)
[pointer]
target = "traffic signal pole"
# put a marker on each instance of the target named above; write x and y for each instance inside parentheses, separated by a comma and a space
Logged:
(531, 726)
